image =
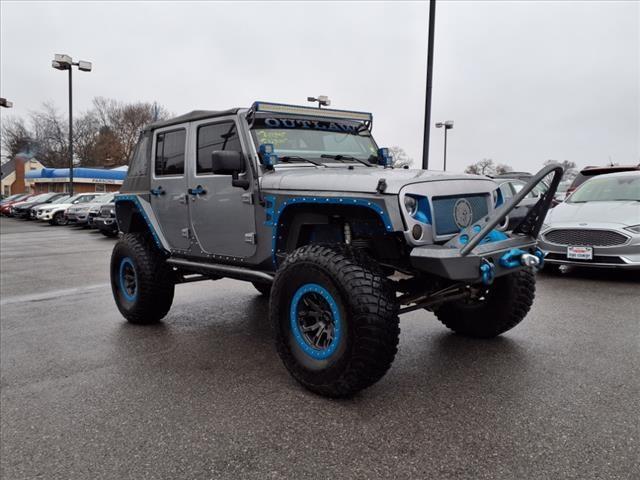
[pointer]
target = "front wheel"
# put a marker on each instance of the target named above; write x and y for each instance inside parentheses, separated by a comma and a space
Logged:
(141, 281)
(335, 318)
(58, 219)
(496, 309)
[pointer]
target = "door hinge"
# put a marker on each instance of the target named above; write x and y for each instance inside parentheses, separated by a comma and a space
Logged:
(185, 232)
(250, 238)
(247, 198)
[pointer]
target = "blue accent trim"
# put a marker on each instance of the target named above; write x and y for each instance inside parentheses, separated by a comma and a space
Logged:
(124, 262)
(136, 200)
(318, 354)
(511, 259)
(499, 198)
(493, 236)
(274, 211)
(423, 212)
(540, 254)
(487, 272)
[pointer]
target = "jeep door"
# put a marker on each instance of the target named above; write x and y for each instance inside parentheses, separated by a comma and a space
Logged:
(169, 185)
(222, 216)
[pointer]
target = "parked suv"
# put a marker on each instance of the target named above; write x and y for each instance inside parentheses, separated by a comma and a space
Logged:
(78, 214)
(302, 203)
(55, 213)
(94, 208)
(106, 220)
(590, 172)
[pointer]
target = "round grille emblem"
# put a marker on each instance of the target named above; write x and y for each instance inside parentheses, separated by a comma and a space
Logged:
(462, 213)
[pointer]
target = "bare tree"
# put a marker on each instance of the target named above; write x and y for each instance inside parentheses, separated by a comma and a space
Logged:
(502, 168)
(569, 167)
(16, 137)
(400, 157)
(483, 167)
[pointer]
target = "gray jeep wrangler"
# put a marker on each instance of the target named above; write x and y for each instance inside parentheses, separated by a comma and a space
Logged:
(302, 203)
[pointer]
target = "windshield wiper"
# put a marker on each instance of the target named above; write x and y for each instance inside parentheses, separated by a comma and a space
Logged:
(289, 158)
(346, 157)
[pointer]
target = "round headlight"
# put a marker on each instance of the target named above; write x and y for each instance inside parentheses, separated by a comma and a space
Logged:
(410, 205)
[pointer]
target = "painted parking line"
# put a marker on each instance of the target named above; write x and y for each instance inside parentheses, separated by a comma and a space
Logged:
(52, 294)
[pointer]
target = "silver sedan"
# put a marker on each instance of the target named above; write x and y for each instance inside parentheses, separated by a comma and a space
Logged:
(597, 226)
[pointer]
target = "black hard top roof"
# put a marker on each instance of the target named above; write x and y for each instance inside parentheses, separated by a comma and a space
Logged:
(190, 117)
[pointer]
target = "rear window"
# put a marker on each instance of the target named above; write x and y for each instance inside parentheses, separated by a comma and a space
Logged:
(139, 160)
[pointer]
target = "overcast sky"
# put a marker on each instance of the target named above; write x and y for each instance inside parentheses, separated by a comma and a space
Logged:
(523, 81)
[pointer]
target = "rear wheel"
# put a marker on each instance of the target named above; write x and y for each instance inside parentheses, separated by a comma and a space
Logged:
(336, 320)
(141, 281)
(498, 308)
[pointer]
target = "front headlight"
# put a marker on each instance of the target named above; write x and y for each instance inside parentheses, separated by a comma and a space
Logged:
(633, 229)
(410, 205)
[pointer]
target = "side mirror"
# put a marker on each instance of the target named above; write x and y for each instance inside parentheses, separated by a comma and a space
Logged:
(229, 162)
(226, 162)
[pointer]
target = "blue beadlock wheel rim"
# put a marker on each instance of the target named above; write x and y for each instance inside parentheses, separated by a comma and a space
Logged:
(315, 321)
(128, 279)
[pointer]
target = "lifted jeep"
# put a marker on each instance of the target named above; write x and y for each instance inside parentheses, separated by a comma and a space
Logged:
(302, 203)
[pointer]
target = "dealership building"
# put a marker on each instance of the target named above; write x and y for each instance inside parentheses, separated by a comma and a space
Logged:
(84, 179)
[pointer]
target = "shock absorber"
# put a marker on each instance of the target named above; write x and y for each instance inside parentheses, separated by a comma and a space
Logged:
(347, 233)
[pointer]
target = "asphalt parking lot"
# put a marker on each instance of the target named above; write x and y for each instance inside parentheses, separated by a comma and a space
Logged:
(204, 395)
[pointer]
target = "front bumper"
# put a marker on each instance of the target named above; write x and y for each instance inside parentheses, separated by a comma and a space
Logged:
(107, 224)
(78, 217)
(447, 262)
(479, 253)
(625, 256)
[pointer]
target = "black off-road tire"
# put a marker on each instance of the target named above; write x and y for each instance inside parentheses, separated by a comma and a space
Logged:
(152, 296)
(505, 304)
(367, 315)
(263, 288)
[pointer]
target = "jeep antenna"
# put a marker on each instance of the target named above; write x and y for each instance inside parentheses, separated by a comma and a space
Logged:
(321, 99)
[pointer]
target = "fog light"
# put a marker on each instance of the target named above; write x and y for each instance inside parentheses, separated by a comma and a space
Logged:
(416, 232)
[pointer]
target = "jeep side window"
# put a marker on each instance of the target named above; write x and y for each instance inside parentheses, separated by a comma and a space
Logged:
(170, 153)
(215, 136)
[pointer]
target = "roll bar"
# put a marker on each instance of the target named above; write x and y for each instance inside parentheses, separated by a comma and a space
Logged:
(532, 223)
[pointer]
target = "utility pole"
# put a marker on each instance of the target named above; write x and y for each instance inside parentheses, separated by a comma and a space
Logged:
(427, 107)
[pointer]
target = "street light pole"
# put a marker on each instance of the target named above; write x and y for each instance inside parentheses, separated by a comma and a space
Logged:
(65, 62)
(427, 103)
(70, 132)
(448, 125)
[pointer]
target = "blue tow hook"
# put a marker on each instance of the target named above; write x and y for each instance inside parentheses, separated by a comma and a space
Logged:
(540, 254)
(517, 258)
(512, 258)
(487, 272)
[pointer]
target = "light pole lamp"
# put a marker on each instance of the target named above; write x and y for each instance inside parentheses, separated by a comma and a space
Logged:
(322, 100)
(65, 62)
(5, 103)
(448, 125)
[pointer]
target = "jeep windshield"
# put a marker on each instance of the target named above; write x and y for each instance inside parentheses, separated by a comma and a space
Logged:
(323, 141)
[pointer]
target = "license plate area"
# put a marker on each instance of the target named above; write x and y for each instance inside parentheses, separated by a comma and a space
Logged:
(580, 253)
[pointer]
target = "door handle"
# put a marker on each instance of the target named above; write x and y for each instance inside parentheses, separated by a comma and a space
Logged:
(157, 191)
(197, 191)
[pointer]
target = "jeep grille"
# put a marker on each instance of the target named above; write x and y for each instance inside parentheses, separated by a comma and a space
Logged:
(444, 208)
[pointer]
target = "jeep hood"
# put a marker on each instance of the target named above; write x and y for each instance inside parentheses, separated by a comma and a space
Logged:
(359, 179)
